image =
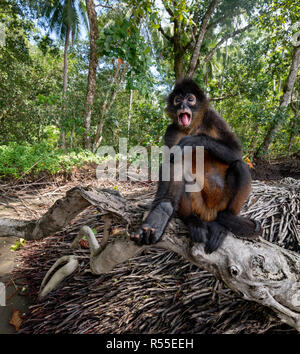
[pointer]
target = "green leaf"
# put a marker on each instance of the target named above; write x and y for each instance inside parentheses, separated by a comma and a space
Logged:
(18, 244)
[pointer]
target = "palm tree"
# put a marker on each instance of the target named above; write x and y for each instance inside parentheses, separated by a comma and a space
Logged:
(92, 75)
(64, 18)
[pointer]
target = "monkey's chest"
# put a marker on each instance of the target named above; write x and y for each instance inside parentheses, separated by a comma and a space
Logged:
(214, 195)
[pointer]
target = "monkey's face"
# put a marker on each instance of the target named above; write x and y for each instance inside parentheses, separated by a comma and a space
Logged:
(183, 108)
(186, 104)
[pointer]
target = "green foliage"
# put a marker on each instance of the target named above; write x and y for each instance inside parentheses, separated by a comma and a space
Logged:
(60, 15)
(120, 37)
(19, 160)
(246, 75)
(18, 244)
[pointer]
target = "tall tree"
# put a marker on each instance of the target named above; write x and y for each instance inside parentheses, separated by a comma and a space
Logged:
(64, 17)
(196, 29)
(284, 101)
(92, 75)
(110, 97)
(202, 31)
(120, 38)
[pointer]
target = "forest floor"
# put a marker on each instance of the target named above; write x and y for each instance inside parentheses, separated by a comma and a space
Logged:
(274, 170)
(31, 198)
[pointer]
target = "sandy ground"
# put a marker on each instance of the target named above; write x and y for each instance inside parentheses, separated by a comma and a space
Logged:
(13, 207)
(24, 203)
(14, 300)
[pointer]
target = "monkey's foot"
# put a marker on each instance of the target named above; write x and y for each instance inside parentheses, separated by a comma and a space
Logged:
(240, 226)
(216, 236)
(197, 228)
(154, 226)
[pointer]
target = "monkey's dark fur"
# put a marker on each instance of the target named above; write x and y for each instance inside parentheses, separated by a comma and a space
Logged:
(210, 213)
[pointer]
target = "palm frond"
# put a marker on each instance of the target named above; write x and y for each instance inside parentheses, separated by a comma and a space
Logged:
(83, 13)
(61, 14)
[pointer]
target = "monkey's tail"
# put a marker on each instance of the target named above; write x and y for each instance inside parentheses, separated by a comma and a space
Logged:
(240, 226)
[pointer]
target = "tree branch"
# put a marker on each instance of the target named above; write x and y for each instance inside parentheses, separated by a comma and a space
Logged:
(170, 12)
(169, 38)
(225, 38)
(284, 101)
(221, 98)
(219, 20)
(203, 29)
(105, 6)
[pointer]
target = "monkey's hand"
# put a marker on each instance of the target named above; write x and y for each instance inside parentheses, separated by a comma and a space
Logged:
(155, 224)
(220, 150)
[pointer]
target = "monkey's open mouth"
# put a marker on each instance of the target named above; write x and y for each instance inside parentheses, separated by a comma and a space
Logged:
(185, 119)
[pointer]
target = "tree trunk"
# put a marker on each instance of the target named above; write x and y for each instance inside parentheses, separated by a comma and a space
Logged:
(203, 28)
(101, 120)
(178, 50)
(67, 40)
(293, 127)
(178, 63)
(129, 113)
(91, 86)
(72, 136)
(284, 102)
(105, 107)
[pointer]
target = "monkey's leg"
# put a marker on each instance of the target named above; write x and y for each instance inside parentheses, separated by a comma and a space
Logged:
(197, 228)
(164, 205)
(216, 236)
(212, 234)
(239, 182)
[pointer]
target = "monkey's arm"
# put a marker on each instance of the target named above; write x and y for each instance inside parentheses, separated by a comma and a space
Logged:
(165, 201)
(171, 136)
(220, 150)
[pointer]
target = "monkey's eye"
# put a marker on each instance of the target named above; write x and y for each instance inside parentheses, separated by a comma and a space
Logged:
(177, 100)
(191, 99)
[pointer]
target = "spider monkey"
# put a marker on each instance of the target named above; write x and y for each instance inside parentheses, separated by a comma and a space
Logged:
(212, 212)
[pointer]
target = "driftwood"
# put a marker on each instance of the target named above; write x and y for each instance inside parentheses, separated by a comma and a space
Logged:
(259, 270)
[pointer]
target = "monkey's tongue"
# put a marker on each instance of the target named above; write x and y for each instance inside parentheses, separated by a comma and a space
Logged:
(185, 119)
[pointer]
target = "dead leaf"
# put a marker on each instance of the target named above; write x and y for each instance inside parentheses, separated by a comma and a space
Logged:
(84, 244)
(118, 230)
(249, 163)
(16, 319)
